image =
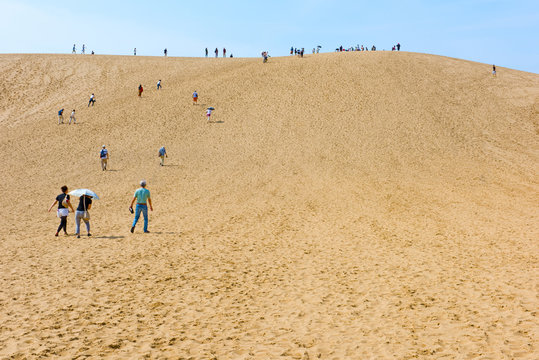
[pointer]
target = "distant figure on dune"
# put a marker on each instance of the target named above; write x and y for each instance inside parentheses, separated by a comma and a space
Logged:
(83, 49)
(140, 90)
(92, 100)
(72, 117)
(135, 51)
(208, 114)
(159, 85)
(493, 70)
(85, 204)
(195, 97)
(231, 55)
(104, 156)
(74, 49)
(216, 52)
(64, 205)
(206, 52)
(142, 197)
(292, 50)
(162, 155)
(224, 52)
(60, 116)
(264, 56)
(165, 51)
(93, 52)
(398, 47)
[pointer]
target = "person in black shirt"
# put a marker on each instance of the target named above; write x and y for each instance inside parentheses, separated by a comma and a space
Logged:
(85, 203)
(64, 204)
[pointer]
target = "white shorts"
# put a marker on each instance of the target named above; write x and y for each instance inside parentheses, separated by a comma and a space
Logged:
(63, 212)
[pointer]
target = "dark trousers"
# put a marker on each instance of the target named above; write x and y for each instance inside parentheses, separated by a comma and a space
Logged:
(63, 224)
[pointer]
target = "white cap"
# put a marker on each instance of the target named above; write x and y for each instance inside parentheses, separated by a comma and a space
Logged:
(103, 146)
(142, 182)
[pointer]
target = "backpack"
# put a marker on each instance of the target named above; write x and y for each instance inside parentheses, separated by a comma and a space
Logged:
(103, 153)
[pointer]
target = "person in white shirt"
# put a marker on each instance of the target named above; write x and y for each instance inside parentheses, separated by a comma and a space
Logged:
(72, 117)
(92, 100)
(159, 85)
(208, 114)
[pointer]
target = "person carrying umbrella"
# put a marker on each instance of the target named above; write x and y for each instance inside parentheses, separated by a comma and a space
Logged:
(64, 204)
(85, 203)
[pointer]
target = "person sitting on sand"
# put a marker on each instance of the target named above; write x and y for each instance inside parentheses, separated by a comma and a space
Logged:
(92, 100)
(195, 97)
(142, 196)
(104, 156)
(85, 203)
(64, 204)
(72, 117)
(162, 155)
(60, 116)
(140, 90)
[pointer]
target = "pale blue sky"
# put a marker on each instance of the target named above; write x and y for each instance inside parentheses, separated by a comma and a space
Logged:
(500, 32)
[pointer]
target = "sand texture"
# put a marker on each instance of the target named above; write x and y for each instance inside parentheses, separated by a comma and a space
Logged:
(366, 205)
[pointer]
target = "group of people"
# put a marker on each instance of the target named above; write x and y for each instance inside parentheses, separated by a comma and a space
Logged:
(83, 51)
(396, 47)
(356, 48)
(297, 51)
(64, 204)
(72, 116)
(141, 197)
(216, 51)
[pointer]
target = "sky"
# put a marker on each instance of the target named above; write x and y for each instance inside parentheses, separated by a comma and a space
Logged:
(501, 32)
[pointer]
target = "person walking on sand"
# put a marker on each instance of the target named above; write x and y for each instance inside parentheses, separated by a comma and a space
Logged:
(162, 155)
(159, 85)
(83, 49)
(216, 52)
(135, 51)
(398, 47)
(85, 203)
(493, 70)
(74, 49)
(64, 204)
(72, 117)
(142, 197)
(165, 51)
(224, 52)
(60, 116)
(140, 90)
(104, 156)
(206, 52)
(92, 100)
(195, 97)
(208, 114)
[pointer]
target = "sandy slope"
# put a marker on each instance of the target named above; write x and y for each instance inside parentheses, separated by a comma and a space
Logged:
(354, 205)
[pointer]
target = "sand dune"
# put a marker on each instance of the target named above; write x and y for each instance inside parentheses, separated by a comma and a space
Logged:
(340, 206)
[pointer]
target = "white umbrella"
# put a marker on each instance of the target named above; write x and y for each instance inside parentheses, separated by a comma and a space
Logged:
(80, 192)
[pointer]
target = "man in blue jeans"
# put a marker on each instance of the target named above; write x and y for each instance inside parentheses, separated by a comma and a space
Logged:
(142, 196)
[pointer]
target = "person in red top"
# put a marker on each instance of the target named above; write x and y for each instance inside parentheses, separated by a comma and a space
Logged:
(140, 90)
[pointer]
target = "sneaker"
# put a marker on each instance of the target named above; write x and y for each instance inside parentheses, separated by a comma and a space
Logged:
(146, 232)
(132, 229)
(56, 234)
(78, 236)
(89, 234)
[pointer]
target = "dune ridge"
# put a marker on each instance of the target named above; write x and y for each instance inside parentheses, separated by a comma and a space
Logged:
(350, 205)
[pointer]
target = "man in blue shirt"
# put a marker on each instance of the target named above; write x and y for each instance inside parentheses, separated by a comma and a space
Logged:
(162, 154)
(142, 196)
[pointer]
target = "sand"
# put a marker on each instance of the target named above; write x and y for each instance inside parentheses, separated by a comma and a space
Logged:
(373, 205)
